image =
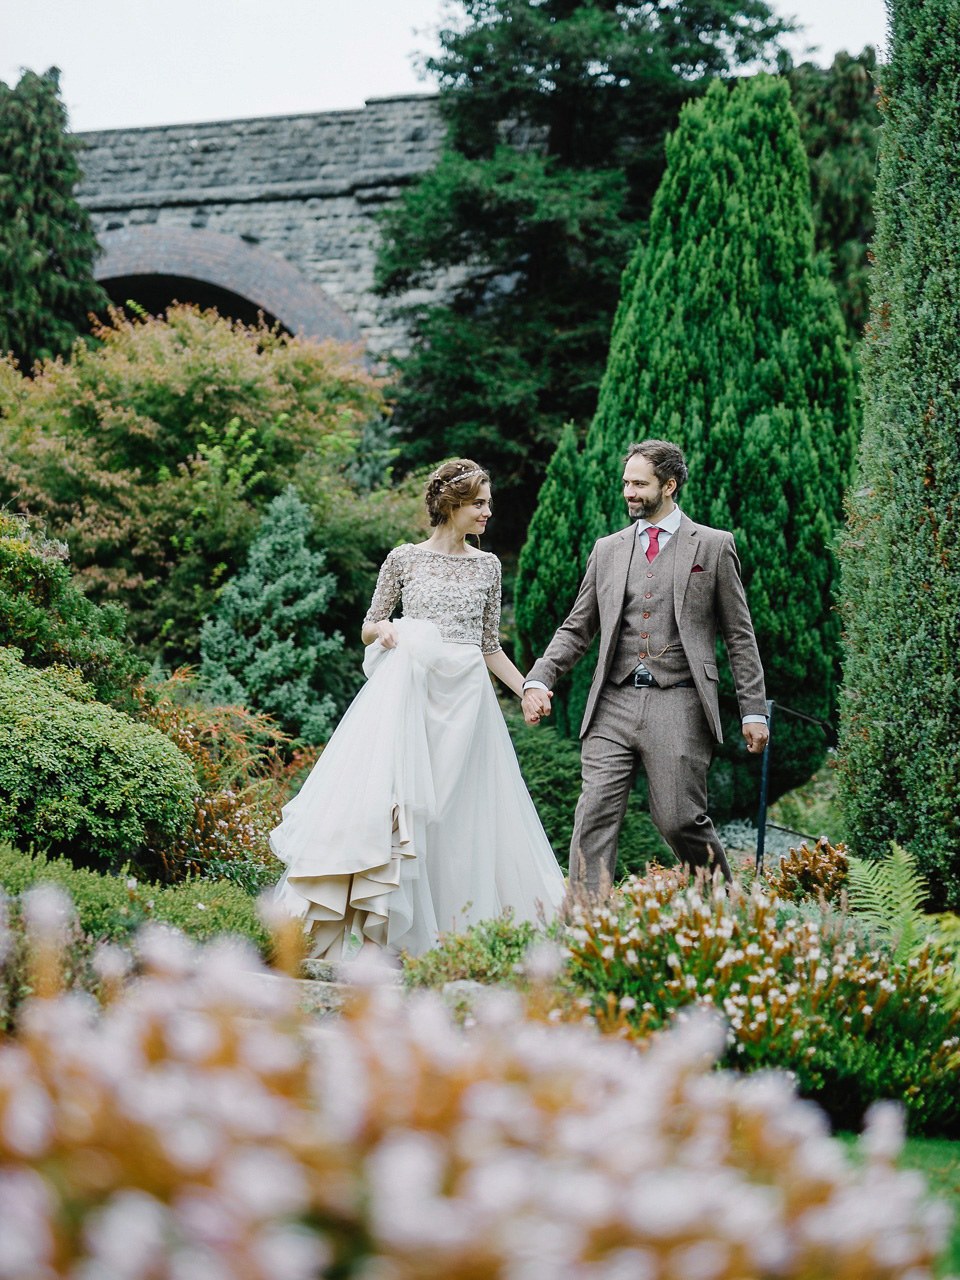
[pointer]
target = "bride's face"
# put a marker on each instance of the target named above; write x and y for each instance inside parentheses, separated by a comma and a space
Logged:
(472, 517)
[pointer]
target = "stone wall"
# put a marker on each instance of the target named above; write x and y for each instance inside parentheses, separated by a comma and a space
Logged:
(295, 191)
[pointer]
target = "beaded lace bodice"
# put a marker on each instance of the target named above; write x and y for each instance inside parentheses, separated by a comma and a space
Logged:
(461, 594)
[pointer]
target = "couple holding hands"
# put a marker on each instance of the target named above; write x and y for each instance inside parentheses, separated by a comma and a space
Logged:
(415, 820)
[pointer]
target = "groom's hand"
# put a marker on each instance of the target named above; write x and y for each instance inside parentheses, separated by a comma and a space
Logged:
(535, 704)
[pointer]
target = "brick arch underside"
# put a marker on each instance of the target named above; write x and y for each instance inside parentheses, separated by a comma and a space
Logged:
(270, 283)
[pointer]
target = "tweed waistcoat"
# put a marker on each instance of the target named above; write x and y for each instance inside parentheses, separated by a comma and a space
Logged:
(648, 628)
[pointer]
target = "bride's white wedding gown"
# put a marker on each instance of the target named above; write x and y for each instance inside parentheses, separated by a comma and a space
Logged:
(415, 819)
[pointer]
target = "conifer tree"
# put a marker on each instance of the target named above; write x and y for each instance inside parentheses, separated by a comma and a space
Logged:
(548, 571)
(262, 645)
(557, 112)
(47, 245)
(839, 121)
(900, 726)
(729, 341)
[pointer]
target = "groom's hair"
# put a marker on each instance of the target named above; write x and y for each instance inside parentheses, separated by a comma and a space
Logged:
(666, 459)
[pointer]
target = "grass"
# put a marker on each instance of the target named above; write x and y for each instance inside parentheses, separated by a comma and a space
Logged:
(812, 809)
(938, 1159)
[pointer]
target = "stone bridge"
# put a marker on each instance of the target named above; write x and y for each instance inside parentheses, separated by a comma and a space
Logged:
(275, 215)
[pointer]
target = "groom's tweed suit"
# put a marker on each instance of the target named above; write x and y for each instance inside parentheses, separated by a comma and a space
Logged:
(667, 614)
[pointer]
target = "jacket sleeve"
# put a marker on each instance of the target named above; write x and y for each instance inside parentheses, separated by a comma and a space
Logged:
(572, 638)
(736, 627)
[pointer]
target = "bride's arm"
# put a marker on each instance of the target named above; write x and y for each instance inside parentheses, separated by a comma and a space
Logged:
(377, 624)
(496, 660)
(504, 670)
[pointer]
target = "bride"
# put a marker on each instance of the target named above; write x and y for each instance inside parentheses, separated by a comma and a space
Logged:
(415, 819)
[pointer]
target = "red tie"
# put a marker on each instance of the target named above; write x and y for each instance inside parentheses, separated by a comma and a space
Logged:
(653, 547)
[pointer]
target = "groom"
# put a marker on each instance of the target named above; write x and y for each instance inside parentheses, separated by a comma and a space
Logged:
(657, 592)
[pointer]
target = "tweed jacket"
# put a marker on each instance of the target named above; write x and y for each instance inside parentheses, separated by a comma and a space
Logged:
(706, 601)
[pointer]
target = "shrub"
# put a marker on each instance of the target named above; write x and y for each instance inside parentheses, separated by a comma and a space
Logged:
(200, 1127)
(810, 873)
(77, 967)
(241, 761)
(80, 778)
(226, 836)
(262, 646)
(154, 454)
(550, 764)
(228, 746)
(900, 584)
(490, 951)
(45, 616)
(113, 907)
(852, 1026)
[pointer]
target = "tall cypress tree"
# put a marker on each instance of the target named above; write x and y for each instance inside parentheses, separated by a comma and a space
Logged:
(729, 341)
(900, 728)
(47, 245)
(548, 571)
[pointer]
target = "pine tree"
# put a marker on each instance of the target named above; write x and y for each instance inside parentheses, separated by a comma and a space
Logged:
(262, 646)
(47, 245)
(900, 728)
(729, 341)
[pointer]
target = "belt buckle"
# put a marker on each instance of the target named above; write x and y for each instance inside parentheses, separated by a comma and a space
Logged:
(643, 680)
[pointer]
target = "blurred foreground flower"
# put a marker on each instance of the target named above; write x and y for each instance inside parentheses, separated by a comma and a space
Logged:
(202, 1128)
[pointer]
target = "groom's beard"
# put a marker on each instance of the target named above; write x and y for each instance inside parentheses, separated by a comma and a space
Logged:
(647, 510)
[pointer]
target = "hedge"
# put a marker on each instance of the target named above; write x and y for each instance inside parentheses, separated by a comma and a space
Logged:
(78, 778)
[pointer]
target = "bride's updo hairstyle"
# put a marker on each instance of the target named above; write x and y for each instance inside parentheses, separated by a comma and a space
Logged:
(450, 486)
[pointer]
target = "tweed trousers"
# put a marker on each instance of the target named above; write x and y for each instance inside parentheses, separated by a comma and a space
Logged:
(666, 732)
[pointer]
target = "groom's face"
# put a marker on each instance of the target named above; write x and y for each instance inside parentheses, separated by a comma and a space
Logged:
(645, 496)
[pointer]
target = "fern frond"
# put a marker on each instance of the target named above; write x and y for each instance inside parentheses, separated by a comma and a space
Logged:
(889, 894)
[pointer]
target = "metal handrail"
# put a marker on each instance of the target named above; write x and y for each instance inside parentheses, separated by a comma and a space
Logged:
(830, 733)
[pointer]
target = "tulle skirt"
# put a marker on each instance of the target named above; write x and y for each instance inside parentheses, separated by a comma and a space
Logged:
(415, 819)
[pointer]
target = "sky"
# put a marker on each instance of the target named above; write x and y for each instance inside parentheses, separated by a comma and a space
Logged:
(146, 62)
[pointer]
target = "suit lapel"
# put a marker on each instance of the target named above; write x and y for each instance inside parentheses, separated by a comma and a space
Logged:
(688, 540)
(621, 568)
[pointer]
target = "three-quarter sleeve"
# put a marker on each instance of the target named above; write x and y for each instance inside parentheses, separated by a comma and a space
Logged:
(388, 589)
(490, 642)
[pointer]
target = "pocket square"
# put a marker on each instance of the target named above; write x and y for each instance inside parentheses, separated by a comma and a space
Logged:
(697, 568)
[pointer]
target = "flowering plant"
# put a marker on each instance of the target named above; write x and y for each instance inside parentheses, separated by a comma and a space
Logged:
(851, 1024)
(201, 1126)
(811, 872)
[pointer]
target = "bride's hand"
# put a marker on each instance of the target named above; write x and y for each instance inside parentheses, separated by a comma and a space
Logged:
(387, 634)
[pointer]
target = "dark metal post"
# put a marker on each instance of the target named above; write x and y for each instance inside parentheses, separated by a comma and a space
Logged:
(764, 779)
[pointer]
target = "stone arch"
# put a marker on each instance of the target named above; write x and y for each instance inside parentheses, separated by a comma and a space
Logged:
(231, 266)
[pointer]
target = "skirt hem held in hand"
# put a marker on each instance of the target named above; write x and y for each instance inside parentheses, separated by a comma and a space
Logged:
(415, 819)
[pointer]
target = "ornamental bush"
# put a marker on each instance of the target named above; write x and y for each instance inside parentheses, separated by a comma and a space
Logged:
(154, 453)
(78, 778)
(805, 872)
(46, 617)
(201, 1127)
(111, 907)
(262, 646)
(799, 994)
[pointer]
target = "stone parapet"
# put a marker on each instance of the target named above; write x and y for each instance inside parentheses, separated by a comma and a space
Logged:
(305, 189)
